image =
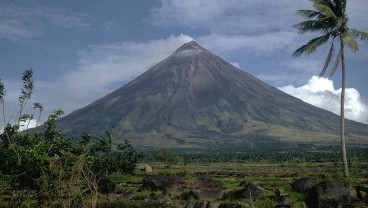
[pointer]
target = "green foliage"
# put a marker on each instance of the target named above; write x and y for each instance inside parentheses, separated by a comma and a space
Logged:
(46, 168)
(26, 92)
(166, 156)
(128, 158)
(2, 95)
(40, 163)
(357, 155)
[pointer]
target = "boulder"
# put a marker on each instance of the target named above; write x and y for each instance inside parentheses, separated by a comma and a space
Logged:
(328, 194)
(145, 168)
(282, 199)
(161, 182)
(362, 192)
(303, 185)
(122, 196)
(207, 188)
(106, 186)
(199, 204)
(249, 191)
(230, 205)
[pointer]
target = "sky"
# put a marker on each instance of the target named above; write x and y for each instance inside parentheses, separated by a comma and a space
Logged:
(81, 50)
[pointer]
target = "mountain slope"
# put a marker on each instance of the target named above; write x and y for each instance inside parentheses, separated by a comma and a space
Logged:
(194, 99)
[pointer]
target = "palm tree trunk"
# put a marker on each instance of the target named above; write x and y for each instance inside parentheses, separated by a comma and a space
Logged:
(342, 113)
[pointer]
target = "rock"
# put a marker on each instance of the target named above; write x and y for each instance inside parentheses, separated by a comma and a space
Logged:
(122, 196)
(303, 185)
(202, 204)
(190, 204)
(280, 192)
(152, 196)
(207, 188)
(328, 194)
(127, 195)
(145, 168)
(353, 194)
(161, 182)
(189, 196)
(230, 205)
(249, 191)
(139, 197)
(362, 192)
(114, 197)
(106, 186)
(282, 199)
(243, 184)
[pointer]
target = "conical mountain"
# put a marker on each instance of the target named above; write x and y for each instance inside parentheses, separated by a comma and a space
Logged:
(194, 99)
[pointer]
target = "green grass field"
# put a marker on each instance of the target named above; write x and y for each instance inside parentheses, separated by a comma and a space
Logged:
(269, 176)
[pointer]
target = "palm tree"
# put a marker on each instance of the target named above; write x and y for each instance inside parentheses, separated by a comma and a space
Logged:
(330, 19)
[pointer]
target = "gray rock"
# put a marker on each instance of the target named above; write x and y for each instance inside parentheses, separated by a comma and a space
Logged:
(362, 192)
(161, 182)
(328, 194)
(282, 199)
(106, 186)
(207, 188)
(144, 168)
(249, 191)
(303, 185)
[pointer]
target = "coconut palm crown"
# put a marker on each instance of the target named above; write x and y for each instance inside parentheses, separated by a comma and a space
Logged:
(330, 19)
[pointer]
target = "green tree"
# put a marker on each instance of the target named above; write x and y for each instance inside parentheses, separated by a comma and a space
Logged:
(127, 158)
(39, 107)
(330, 19)
(26, 92)
(2, 95)
(166, 156)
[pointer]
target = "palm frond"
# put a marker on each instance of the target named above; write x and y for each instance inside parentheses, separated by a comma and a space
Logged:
(310, 14)
(363, 36)
(328, 60)
(340, 6)
(337, 62)
(312, 45)
(350, 41)
(313, 26)
(325, 8)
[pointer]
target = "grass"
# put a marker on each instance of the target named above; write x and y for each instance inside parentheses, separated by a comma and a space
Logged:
(269, 176)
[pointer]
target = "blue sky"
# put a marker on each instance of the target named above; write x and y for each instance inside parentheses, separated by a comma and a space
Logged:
(80, 50)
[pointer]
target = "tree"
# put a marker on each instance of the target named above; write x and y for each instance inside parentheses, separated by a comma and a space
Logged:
(26, 92)
(2, 95)
(166, 156)
(330, 19)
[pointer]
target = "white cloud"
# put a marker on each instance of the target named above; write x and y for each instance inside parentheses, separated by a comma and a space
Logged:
(100, 70)
(236, 64)
(320, 92)
(102, 66)
(24, 125)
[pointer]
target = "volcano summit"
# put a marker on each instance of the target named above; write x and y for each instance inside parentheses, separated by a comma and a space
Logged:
(194, 99)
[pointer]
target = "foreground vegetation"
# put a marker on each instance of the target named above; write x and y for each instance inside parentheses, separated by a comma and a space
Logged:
(49, 170)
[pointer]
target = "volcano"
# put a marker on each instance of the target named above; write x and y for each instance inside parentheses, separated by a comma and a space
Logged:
(195, 100)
